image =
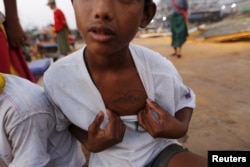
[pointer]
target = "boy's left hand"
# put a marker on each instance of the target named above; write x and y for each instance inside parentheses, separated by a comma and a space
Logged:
(165, 126)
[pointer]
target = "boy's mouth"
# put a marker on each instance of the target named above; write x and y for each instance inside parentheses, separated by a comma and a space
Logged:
(101, 34)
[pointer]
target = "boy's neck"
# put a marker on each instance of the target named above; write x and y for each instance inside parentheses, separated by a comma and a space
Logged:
(104, 63)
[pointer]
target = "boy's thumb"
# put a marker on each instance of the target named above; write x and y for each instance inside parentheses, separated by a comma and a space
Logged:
(95, 125)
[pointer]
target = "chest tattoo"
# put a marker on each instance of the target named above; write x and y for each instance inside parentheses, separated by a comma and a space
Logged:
(130, 98)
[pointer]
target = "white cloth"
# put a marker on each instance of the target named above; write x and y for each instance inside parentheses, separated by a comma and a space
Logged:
(69, 85)
(27, 129)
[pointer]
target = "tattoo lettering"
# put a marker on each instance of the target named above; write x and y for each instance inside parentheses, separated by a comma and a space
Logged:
(130, 98)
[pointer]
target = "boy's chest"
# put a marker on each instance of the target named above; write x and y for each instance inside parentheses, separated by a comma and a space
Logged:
(124, 95)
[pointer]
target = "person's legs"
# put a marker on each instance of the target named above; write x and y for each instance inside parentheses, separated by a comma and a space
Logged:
(175, 52)
(178, 52)
(63, 43)
(184, 159)
(173, 35)
(164, 157)
(176, 155)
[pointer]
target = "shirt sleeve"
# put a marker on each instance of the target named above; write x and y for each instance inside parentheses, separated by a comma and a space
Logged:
(184, 96)
(62, 122)
(29, 140)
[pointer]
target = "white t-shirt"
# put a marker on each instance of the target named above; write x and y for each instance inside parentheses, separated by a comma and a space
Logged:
(68, 83)
(27, 129)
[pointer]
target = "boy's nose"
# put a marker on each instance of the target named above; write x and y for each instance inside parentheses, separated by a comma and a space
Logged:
(103, 9)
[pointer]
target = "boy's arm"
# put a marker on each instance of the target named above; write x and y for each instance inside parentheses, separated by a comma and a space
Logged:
(97, 139)
(11, 9)
(80, 134)
(184, 116)
(29, 139)
(165, 126)
(14, 31)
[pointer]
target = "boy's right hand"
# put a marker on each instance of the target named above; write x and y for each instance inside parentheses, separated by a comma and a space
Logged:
(101, 139)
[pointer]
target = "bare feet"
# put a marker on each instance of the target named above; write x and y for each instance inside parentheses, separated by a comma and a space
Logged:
(173, 54)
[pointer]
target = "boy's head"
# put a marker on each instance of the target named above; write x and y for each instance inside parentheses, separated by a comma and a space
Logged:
(109, 23)
(147, 4)
(51, 4)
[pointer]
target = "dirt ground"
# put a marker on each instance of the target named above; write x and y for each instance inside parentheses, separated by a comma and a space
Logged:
(219, 75)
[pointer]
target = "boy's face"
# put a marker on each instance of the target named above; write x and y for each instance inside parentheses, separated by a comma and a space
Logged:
(51, 6)
(108, 26)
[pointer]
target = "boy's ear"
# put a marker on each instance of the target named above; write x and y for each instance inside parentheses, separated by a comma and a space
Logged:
(148, 15)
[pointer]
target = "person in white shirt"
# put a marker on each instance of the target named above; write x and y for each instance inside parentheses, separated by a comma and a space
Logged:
(126, 104)
(28, 135)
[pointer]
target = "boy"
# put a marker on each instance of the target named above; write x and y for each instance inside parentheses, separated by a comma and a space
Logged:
(107, 89)
(27, 128)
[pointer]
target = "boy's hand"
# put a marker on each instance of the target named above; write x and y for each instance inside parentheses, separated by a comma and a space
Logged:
(165, 125)
(100, 139)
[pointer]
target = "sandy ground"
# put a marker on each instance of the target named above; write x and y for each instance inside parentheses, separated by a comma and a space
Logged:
(219, 75)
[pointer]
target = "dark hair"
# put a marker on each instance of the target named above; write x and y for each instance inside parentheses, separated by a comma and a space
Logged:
(147, 4)
(52, 3)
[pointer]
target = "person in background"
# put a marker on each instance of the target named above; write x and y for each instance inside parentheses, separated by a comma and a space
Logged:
(127, 104)
(178, 23)
(29, 136)
(72, 41)
(53, 32)
(12, 38)
(61, 29)
(71, 38)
